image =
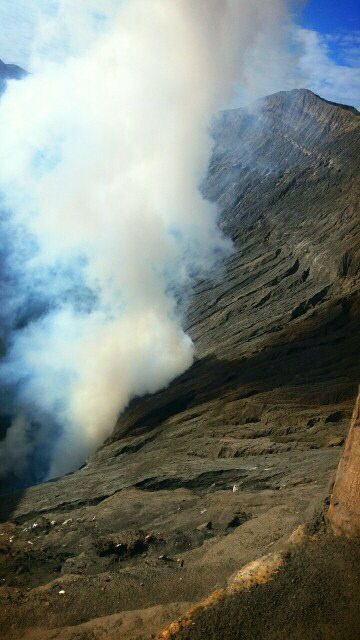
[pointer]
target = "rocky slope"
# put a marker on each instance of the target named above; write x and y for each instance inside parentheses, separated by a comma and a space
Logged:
(219, 467)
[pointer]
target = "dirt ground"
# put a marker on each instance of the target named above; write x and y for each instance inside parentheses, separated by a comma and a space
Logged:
(314, 596)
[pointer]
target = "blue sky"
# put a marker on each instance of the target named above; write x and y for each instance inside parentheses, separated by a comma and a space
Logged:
(330, 38)
(338, 22)
(16, 30)
(331, 16)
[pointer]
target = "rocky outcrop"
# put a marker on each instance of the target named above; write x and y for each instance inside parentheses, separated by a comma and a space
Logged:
(9, 72)
(250, 436)
(344, 510)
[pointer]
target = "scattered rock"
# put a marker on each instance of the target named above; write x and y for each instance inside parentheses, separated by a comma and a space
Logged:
(336, 441)
(312, 422)
(150, 538)
(124, 544)
(164, 557)
(336, 416)
(238, 519)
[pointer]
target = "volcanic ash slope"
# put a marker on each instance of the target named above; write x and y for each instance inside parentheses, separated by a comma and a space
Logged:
(221, 466)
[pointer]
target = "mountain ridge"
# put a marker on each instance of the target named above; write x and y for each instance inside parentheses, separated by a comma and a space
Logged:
(9, 72)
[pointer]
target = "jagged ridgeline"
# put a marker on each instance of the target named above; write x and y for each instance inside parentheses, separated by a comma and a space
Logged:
(208, 474)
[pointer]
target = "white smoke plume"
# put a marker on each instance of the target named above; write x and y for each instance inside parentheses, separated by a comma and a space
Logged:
(102, 149)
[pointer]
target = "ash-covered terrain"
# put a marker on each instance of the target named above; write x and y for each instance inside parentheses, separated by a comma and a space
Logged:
(221, 466)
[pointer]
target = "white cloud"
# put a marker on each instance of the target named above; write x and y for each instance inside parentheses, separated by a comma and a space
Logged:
(54, 27)
(108, 146)
(319, 72)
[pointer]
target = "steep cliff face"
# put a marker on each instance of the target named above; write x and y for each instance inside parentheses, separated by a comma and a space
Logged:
(286, 178)
(344, 510)
(217, 468)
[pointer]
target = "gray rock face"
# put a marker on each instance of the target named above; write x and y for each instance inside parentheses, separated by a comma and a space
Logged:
(265, 406)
